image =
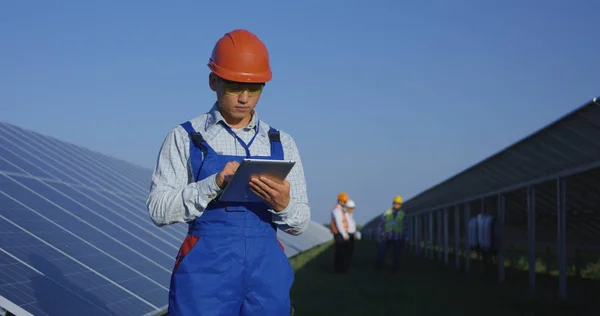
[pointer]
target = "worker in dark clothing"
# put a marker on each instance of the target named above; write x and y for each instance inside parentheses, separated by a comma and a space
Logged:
(393, 229)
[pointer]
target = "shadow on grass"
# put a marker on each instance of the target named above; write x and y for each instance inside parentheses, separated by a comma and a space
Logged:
(423, 287)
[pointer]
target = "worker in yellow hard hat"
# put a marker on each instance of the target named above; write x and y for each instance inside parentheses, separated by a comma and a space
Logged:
(394, 232)
(339, 228)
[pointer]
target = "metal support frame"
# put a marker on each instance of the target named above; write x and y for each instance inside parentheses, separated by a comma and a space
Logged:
(457, 236)
(159, 312)
(446, 236)
(561, 188)
(550, 177)
(531, 235)
(442, 226)
(439, 234)
(414, 233)
(430, 242)
(422, 226)
(424, 236)
(500, 234)
(408, 220)
(467, 248)
(482, 204)
(6, 305)
(419, 235)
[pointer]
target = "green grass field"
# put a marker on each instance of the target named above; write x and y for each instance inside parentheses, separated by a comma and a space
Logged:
(424, 287)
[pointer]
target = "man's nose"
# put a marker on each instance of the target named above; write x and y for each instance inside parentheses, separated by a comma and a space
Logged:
(243, 98)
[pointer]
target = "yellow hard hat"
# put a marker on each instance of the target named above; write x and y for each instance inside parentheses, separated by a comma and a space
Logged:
(343, 197)
(397, 199)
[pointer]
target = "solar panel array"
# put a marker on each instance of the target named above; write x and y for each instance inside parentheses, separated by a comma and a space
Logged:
(570, 143)
(314, 235)
(75, 237)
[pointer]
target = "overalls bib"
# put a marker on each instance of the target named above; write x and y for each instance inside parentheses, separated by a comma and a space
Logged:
(230, 263)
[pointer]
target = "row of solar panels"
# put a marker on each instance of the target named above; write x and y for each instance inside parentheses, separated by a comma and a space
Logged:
(75, 238)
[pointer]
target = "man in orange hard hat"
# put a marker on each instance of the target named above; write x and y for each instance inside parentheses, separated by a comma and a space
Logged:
(339, 228)
(230, 262)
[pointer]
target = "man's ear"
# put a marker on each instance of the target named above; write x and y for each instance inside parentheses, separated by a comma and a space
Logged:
(212, 81)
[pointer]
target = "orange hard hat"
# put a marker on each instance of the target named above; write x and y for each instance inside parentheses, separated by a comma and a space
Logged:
(241, 56)
(343, 197)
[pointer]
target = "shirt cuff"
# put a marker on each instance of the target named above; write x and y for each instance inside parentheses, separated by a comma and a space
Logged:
(285, 213)
(208, 190)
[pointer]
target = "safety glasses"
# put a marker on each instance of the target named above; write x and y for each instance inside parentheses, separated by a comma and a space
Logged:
(237, 88)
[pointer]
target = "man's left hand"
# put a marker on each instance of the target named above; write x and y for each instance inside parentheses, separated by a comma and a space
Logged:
(275, 193)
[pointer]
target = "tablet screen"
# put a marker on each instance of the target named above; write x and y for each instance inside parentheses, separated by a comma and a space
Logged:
(238, 190)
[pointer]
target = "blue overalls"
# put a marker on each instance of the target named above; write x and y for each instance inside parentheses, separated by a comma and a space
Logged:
(231, 262)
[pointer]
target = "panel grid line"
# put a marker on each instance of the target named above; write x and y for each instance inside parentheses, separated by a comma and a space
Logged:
(87, 242)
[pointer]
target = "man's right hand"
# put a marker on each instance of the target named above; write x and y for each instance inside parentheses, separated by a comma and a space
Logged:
(224, 176)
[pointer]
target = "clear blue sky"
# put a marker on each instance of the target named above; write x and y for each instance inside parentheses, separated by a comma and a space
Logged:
(383, 98)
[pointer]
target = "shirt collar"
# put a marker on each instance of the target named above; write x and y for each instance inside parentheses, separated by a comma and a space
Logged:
(214, 117)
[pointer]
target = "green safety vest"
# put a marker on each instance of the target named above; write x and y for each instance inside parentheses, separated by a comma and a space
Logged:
(392, 224)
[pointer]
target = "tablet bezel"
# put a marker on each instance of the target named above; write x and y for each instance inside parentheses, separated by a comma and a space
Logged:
(238, 189)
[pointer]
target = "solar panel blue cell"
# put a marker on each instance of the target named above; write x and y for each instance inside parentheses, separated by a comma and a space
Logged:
(6, 166)
(15, 277)
(100, 249)
(72, 165)
(314, 235)
(97, 166)
(21, 165)
(181, 229)
(125, 169)
(44, 281)
(41, 162)
(145, 239)
(136, 217)
(178, 230)
(122, 172)
(142, 176)
(86, 170)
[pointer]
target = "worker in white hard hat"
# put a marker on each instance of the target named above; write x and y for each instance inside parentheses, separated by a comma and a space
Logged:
(349, 208)
(394, 233)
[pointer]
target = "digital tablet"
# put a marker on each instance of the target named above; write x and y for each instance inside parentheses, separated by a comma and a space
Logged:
(238, 189)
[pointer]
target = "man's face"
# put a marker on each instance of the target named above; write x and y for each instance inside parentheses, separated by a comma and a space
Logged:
(397, 205)
(350, 210)
(236, 100)
(342, 203)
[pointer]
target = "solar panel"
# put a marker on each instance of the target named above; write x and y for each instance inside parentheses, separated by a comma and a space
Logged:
(75, 237)
(314, 235)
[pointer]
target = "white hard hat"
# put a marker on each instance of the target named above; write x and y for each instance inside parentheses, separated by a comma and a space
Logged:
(350, 203)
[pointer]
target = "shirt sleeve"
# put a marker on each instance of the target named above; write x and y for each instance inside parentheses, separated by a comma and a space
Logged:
(351, 223)
(382, 225)
(337, 217)
(172, 198)
(295, 218)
